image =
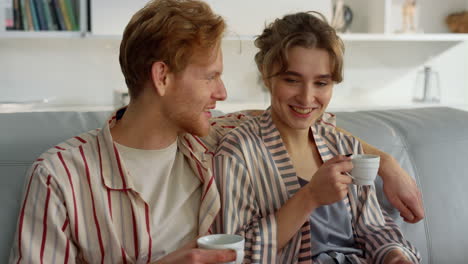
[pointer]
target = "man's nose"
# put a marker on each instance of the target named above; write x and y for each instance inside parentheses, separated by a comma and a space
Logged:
(220, 93)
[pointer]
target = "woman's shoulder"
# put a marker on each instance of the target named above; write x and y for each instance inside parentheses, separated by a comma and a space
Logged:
(247, 130)
(240, 137)
(327, 129)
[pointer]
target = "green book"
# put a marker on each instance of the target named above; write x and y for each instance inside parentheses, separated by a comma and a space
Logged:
(33, 10)
(72, 15)
(24, 15)
(48, 16)
(66, 16)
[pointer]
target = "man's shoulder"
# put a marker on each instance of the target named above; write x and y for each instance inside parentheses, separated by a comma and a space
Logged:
(69, 149)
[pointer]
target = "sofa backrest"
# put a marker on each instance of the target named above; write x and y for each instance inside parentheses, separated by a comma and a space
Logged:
(23, 137)
(430, 143)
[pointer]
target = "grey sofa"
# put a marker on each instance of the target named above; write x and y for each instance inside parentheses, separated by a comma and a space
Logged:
(430, 143)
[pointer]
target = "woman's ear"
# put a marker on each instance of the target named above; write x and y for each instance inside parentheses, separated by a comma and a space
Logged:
(160, 76)
(267, 83)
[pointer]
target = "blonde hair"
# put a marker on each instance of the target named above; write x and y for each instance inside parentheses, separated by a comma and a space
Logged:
(171, 31)
(304, 29)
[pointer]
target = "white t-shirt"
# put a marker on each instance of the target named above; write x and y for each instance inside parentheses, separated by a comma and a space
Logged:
(172, 191)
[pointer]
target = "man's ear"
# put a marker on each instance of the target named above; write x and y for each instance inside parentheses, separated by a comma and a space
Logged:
(160, 75)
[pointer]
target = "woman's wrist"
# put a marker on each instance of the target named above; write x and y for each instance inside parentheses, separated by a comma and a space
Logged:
(310, 202)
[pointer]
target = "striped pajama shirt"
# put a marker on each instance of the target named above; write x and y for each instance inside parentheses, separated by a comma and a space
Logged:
(80, 206)
(255, 177)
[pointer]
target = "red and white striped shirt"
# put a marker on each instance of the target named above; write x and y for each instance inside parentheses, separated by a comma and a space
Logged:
(80, 205)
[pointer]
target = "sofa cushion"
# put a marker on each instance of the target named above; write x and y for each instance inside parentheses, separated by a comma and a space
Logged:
(431, 144)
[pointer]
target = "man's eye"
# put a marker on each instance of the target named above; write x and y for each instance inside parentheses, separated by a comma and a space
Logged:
(321, 83)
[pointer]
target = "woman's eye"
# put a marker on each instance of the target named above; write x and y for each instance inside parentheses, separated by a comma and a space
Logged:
(288, 80)
(321, 83)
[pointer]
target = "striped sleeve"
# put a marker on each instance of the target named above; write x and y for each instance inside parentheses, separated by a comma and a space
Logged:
(240, 212)
(375, 230)
(43, 230)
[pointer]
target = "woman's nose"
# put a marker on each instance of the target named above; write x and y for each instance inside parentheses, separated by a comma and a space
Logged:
(307, 95)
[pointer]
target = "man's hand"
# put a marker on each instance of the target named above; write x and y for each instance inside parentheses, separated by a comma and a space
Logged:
(401, 190)
(396, 257)
(190, 254)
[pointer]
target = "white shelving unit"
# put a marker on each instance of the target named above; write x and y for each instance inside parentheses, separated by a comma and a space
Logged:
(376, 56)
(447, 37)
(385, 16)
(348, 37)
(374, 20)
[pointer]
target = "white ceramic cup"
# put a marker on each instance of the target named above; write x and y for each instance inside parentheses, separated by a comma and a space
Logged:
(365, 168)
(224, 241)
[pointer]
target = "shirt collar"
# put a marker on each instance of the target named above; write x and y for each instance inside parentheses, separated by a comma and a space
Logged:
(114, 173)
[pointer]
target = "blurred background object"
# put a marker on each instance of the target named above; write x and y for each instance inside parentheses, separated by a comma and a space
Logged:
(427, 86)
(408, 14)
(342, 17)
(458, 22)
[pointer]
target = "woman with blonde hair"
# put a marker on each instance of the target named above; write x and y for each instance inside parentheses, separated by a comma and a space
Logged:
(282, 175)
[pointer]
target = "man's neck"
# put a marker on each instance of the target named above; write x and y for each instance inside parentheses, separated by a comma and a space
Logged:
(144, 127)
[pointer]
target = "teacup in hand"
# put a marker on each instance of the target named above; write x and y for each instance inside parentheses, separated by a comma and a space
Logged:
(365, 168)
(224, 241)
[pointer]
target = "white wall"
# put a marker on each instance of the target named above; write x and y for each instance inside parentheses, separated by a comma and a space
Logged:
(86, 71)
(74, 71)
(243, 16)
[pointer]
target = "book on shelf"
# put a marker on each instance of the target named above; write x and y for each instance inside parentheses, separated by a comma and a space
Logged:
(57, 21)
(70, 11)
(17, 23)
(66, 17)
(35, 20)
(6, 15)
(26, 13)
(41, 19)
(40, 15)
(48, 16)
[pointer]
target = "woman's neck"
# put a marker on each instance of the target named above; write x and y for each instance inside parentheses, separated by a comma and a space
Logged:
(293, 138)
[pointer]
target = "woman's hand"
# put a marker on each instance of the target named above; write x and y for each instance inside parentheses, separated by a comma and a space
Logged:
(329, 184)
(396, 256)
